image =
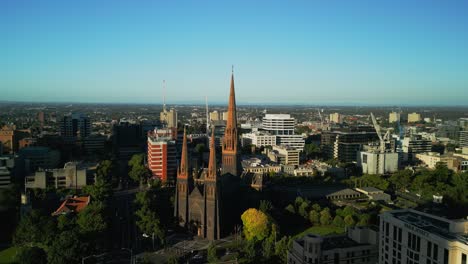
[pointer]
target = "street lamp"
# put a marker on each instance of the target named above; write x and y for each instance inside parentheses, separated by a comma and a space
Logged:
(145, 235)
(131, 254)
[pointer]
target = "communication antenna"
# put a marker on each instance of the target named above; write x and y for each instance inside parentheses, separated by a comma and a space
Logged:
(164, 97)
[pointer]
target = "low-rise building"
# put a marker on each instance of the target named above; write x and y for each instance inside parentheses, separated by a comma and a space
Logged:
(375, 194)
(7, 166)
(343, 194)
(430, 159)
(410, 236)
(284, 155)
(258, 139)
(74, 175)
(359, 246)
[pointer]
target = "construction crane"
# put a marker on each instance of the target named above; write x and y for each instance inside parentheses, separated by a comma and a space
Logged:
(321, 119)
(379, 133)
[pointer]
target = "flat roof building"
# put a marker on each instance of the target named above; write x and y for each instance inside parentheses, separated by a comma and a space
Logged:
(358, 246)
(410, 236)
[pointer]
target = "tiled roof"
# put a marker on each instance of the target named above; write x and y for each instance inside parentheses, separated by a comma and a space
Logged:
(75, 204)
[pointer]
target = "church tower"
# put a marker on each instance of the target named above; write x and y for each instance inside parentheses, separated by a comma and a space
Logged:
(182, 191)
(231, 162)
(212, 195)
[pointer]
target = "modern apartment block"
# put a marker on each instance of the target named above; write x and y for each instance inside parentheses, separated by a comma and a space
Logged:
(413, 145)
(394, 117)
(358, 246)
(162, 161)
(344, 145)
(75, 126)
(282, 126)
(409, 236)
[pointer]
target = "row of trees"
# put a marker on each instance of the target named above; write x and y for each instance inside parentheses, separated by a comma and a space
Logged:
(318, 216)
(426, 183)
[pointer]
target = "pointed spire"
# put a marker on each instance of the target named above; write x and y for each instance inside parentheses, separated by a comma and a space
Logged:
(212, 160)
(184, 170)
(232, 118)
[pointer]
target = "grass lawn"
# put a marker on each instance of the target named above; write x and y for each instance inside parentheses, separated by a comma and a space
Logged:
(322, 230)
(7, 255)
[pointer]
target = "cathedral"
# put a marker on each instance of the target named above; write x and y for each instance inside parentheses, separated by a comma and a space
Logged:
(201, 195)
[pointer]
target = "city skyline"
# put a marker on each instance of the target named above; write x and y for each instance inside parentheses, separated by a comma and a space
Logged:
(358, 53)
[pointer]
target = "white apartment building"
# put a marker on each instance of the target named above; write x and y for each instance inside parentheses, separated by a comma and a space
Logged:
(282, 126)
(430, 159)
(358, 246)
(410, 236)
(375, 162)
(74, 175)
(258, 139)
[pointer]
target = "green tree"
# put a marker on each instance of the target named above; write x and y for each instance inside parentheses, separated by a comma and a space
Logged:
(31, 255)
(91, 220)
(249, 250)
(66, 222)
(100, 191)
(314, 217)
(212, 256)
(304, 209)
(268, 245)
(66, 248)
(107, 170)
(364, 220)
(138, 172)
(401, 179)
(290, 208)
(265, 206)
(256, 224)
(349, 221)
(34, 229)
(325, 217)
(9, 197)
(338, 221)
(281, 248)
(316, 207)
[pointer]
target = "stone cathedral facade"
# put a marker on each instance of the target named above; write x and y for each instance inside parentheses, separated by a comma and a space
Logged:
(199, 194)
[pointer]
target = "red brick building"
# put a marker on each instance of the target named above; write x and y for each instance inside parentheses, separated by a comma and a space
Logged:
(162, 155)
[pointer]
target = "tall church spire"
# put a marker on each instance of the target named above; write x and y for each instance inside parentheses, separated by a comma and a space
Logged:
(184, 165)
(212, 161)
(230, 141)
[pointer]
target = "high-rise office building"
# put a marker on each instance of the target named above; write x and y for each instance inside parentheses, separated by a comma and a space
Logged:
(169, 118)
(344, 145)
(410, 236)
(214, 116)
(75, 126)
(414, 117)
(162, 153)
(413, 145)
(336, 118)
(282, 126)
(394, 117)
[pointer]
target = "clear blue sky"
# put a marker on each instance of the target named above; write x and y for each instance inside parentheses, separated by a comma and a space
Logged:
(395, 52)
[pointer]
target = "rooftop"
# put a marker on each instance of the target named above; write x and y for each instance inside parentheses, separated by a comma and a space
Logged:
(75, 204)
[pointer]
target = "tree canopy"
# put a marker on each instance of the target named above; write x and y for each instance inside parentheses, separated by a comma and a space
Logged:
(256, 224)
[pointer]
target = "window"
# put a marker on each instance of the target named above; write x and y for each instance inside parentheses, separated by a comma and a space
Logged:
(446, 256)
(463, 259)
(429, 249)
